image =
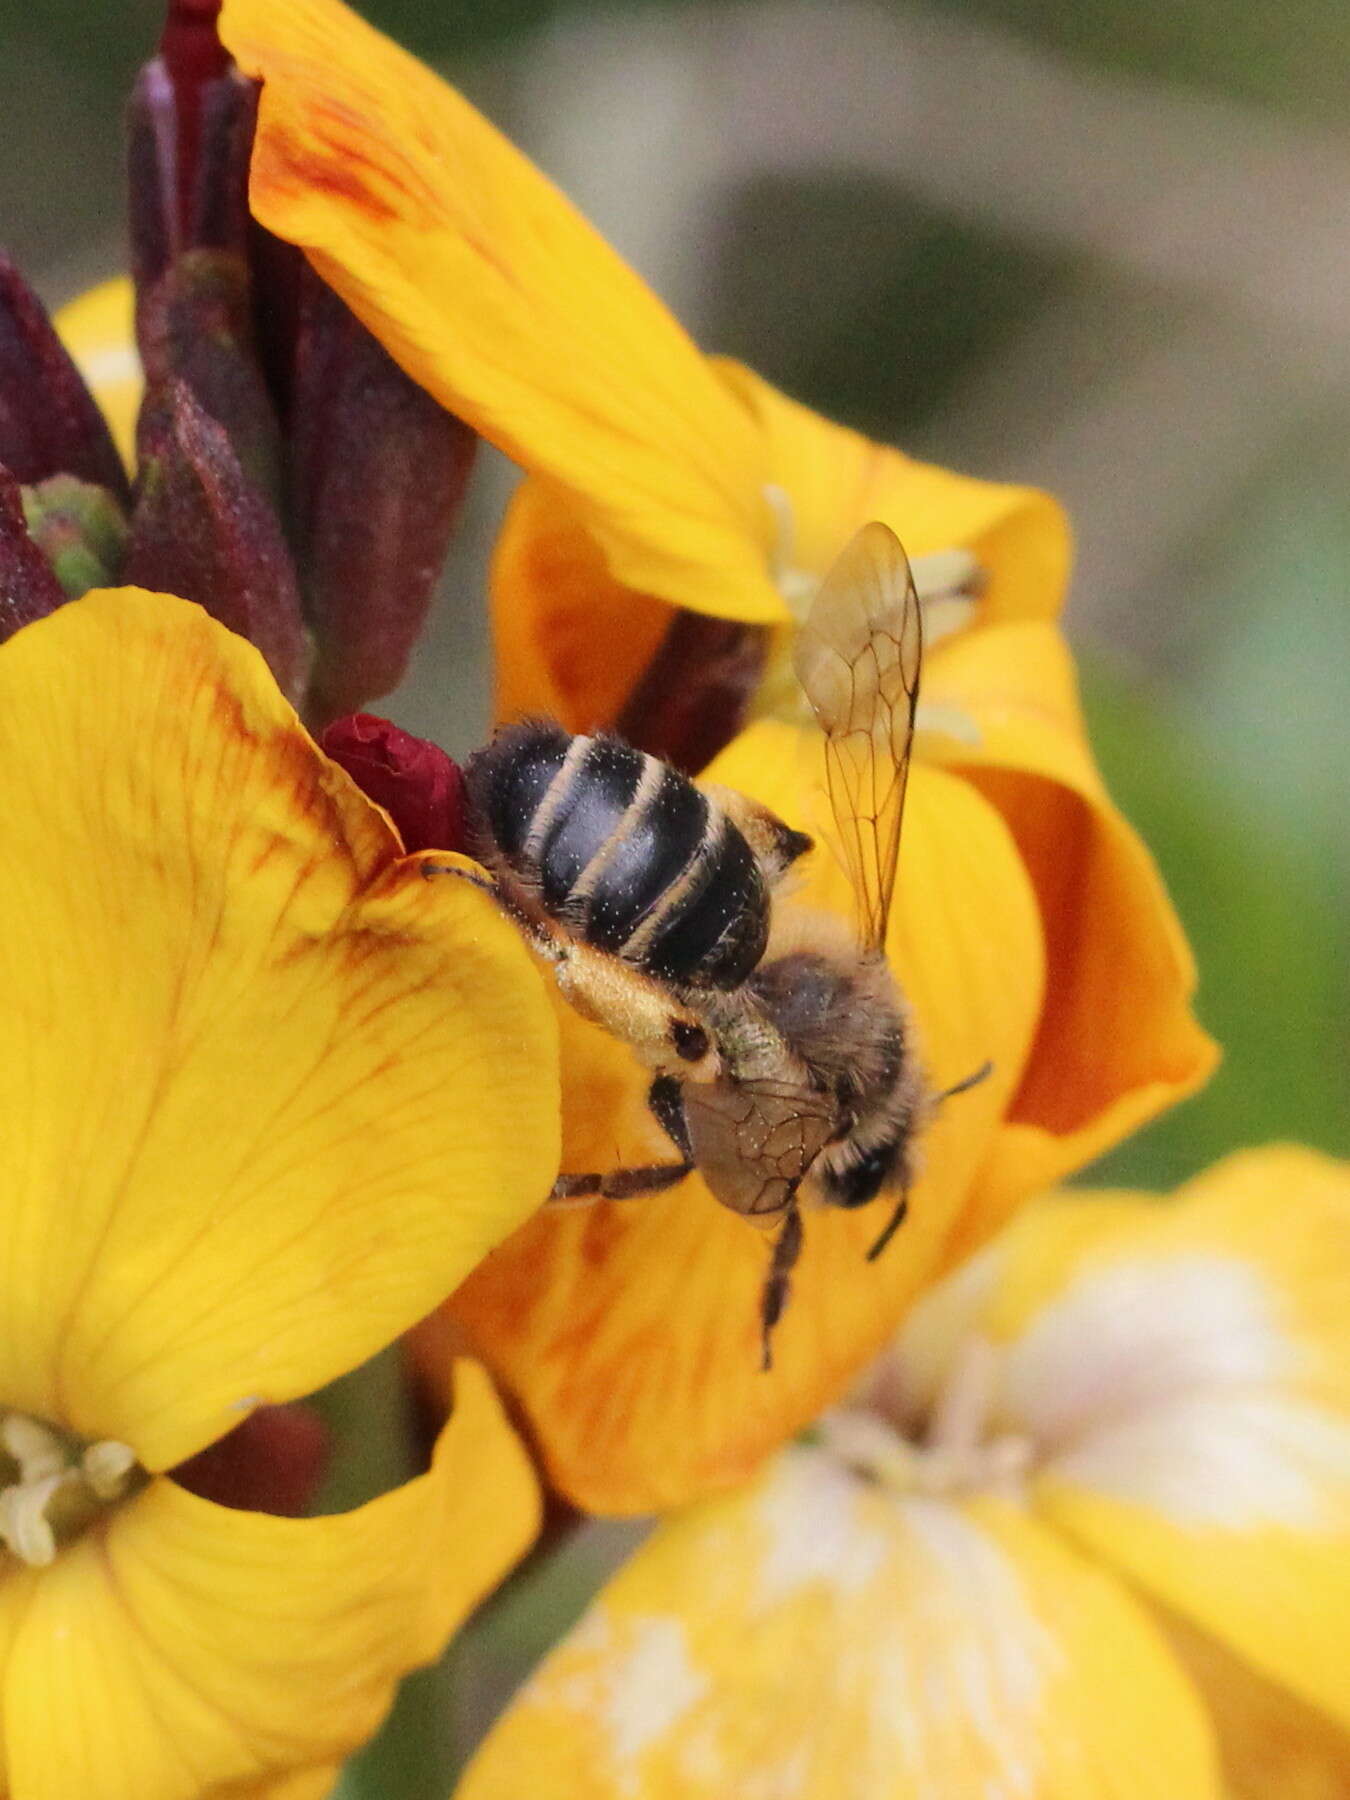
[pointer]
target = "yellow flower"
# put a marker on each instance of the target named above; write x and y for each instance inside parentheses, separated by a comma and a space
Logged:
(1031, 929)
(267, 1095)
(98, 329)
(1084, 1530)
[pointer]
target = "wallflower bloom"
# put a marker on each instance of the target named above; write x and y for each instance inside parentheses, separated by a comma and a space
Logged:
(1084, 1530)
(1031, 928)
(268, 1094)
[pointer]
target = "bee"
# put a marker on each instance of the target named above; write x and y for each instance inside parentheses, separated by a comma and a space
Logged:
(782, 1051)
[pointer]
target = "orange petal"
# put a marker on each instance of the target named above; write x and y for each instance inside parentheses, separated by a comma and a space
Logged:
(189, 1647)
(629, 1331)
(554, 600)
(553, 604)
(493, 292)
(813, 1636)
(267, 1093)
(836, 480)
(1118, 1042)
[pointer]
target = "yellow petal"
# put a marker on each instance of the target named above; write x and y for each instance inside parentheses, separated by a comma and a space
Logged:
(1118, 1041)
(1192, 1379)
(1183, 1373)
(629, 1331)
(307, 1784)
(490, 289)
(835, 480)
(1272, 1746)
(98, 329)
(267, 1093)
(192, 1646)
(817, 1637)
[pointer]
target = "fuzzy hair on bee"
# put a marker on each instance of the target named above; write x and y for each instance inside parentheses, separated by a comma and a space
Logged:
(782, 1050)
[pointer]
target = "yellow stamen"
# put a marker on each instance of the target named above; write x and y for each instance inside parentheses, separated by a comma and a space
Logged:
(958, 1453)
(34, 1446)
(108, 1467)
(62, 1485)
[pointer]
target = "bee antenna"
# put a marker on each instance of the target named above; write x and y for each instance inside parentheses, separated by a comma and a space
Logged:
(893, 1225)
(983, 1073)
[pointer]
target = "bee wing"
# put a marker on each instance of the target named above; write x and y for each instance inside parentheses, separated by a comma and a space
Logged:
(753, 1141)
(858, 658)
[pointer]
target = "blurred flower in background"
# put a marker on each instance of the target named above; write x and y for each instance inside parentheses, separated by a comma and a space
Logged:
(1083, 1527)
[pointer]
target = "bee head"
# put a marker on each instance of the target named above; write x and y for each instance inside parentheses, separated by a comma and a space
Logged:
(860, 1175)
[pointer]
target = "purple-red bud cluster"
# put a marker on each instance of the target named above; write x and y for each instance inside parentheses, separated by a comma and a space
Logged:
(290, 478)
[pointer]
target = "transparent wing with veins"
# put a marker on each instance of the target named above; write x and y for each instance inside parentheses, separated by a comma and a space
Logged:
(858, 658)
(753, 1140)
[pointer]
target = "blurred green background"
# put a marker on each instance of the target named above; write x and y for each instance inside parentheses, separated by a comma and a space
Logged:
(1077, 242)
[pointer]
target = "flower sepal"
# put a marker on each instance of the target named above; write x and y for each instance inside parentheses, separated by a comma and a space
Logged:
(28, 588)
(378, 472)
(201, 529)
(49, 422)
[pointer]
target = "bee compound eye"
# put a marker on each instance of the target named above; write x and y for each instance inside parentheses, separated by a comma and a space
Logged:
(690, 1041)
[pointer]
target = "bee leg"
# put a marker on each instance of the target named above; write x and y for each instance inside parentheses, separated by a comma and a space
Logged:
(893, 1225)
(619, 1184)
(666, 1102)
(431, 869)
(667, 1105)
(778, 1282)
(983, 1073)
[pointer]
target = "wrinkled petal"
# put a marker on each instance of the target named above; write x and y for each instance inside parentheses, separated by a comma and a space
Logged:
(190, 1646)
(268, 1093)
(489, 288)
(1118, 1042)
(815, 1636)
(836, 480)
(629, 1330)
(98, 329)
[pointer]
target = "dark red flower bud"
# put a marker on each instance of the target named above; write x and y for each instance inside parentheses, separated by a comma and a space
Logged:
(693, 697)
(416, 783)
(196, 323)
(190, 132)
(202, 531)
(378, 471)
(49, 422)
(28, 588)
(80, 529)
(272, 1462)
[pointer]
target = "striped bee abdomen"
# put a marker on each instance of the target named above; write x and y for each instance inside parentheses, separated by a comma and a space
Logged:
(622, 851)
